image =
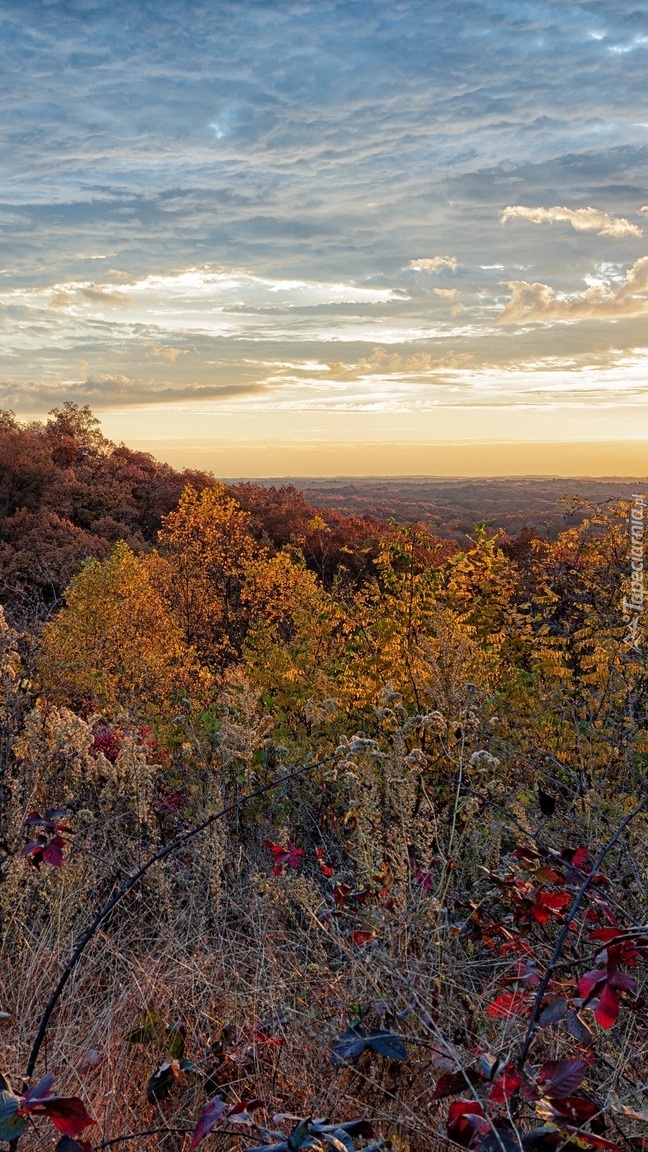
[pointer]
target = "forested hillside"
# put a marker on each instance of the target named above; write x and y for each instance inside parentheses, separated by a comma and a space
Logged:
(315, 831)
(67, 493)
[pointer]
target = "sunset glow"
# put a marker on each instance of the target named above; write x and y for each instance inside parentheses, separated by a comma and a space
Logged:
(334, 238)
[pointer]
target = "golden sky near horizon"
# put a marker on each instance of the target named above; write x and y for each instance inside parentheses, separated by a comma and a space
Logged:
(329, 236)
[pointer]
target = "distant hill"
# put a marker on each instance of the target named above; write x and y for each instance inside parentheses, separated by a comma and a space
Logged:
(452, 508)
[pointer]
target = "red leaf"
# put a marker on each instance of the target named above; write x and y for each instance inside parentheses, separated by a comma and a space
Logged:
(548, 904)
(238, 1114)
(575, 1108)
(67, 1113)
(606, 1011)
(360, 937)
(590, 982)
(465, 1108)
(325, 869)
(287, 857)
(554, 900)
(53, 852)
(465, 1121)
(508, 1004)
(605, 935)
(505, 1086)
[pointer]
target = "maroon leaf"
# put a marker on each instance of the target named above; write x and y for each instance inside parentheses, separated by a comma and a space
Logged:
(216, 1110)
(562, 1077)
(590, 983)
(212, 1113)
(623, 981)
(575, 1108)
(465, 1121)
(423, 879)
(452, 1083)
(288, 857)
(53, 852)
(341, 894)
(360, 937)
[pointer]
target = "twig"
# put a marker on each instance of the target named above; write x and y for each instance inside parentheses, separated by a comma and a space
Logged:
(133, 879)
(160, 1132)
(141, 1135)
(544, 983)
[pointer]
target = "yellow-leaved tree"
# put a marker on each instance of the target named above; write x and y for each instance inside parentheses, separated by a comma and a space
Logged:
(115, 646)
(206, 546)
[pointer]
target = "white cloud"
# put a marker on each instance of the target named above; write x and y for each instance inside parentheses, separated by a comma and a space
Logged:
(445, 293)
(535, 303)
(581, 219)
(434, 263)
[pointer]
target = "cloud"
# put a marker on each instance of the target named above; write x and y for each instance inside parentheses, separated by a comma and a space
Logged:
(110, 299)
(170, 354)
(110, 390)
(446, 293)
(60, 298)
(340, 151)
(382, 362)
(434, 263)
(535, 303)
(581, 219)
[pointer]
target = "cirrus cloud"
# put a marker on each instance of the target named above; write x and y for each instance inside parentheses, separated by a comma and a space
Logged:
(580, 219)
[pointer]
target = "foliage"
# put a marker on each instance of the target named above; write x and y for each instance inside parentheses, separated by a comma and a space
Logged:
(436, 927)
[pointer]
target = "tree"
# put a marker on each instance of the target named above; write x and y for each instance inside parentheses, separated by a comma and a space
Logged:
(115, 646)
(207, 546)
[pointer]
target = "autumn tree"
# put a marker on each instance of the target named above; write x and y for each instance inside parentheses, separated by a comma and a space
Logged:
(115, 646)
(206, 544)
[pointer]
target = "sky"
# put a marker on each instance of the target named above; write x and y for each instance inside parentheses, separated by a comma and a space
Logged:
(304, 237)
